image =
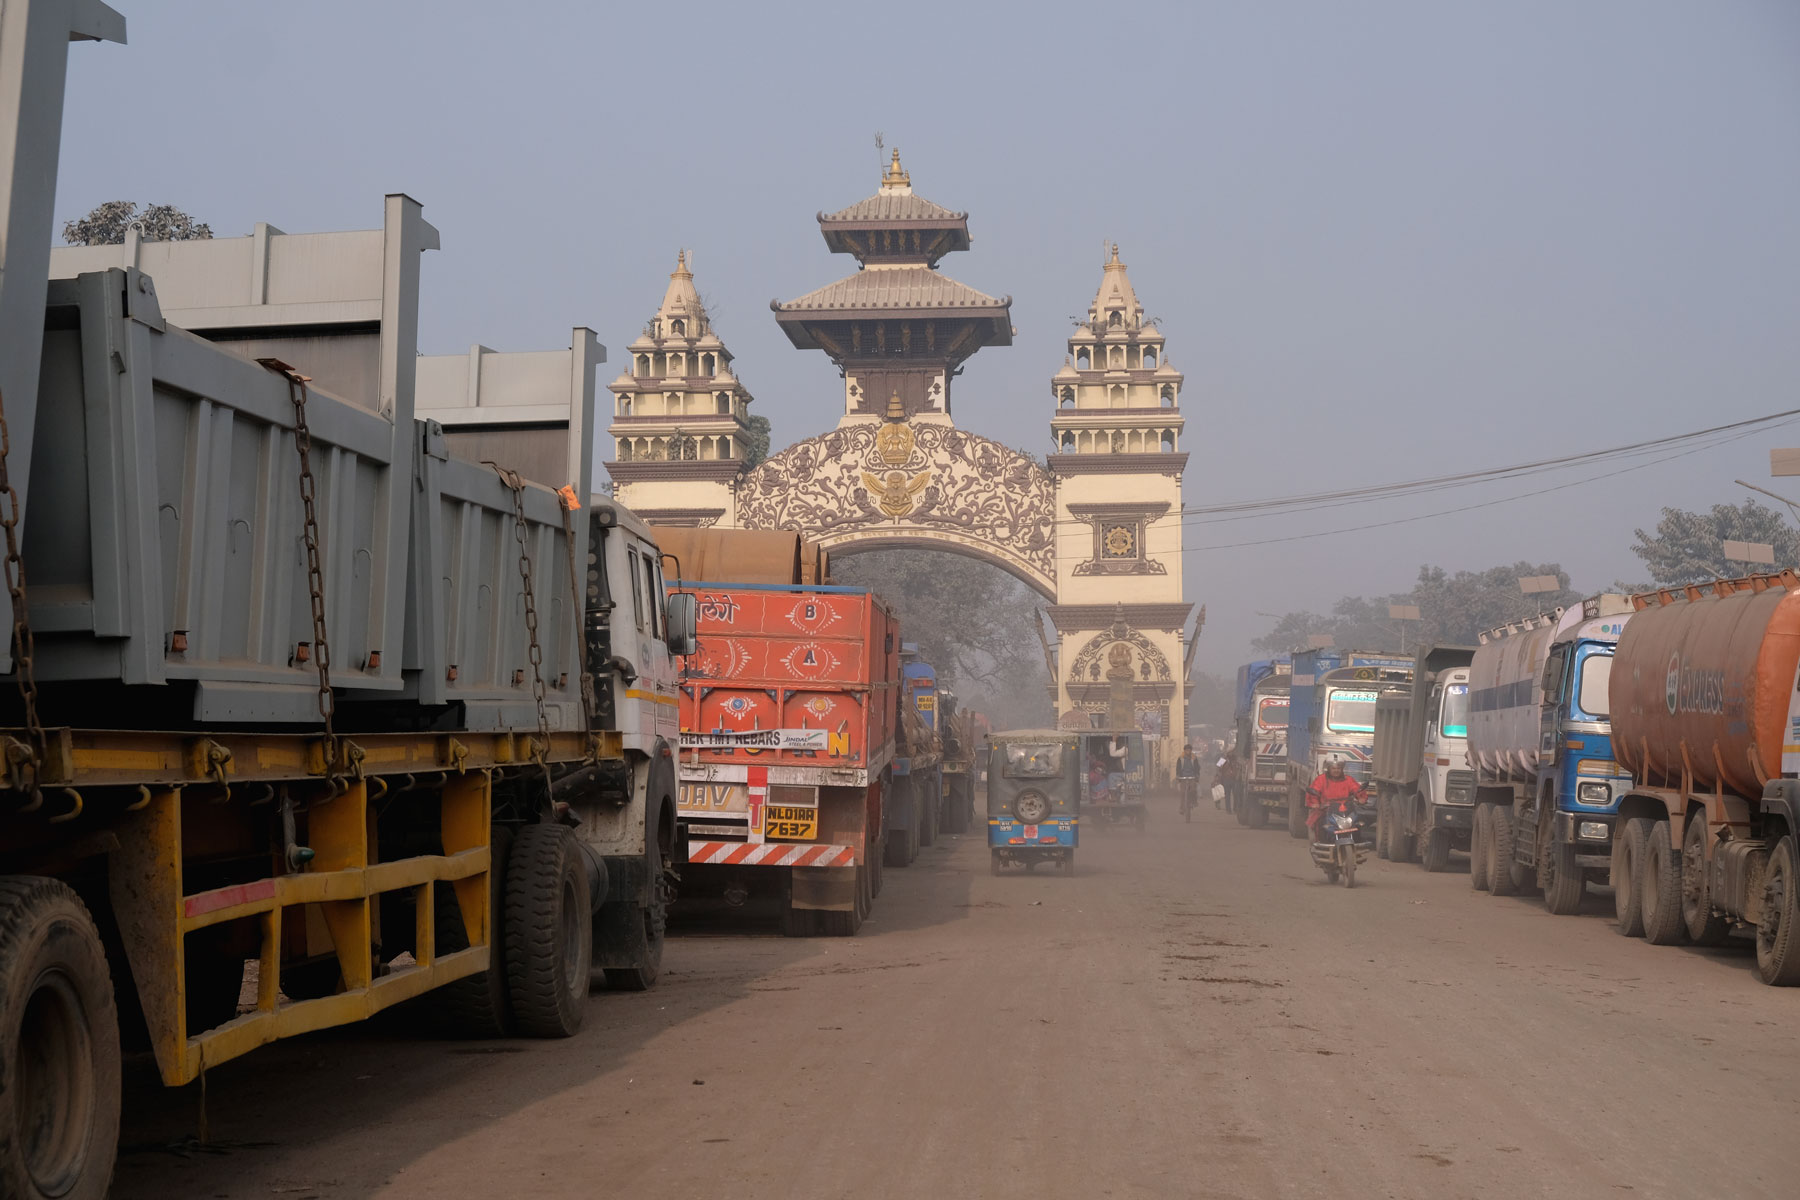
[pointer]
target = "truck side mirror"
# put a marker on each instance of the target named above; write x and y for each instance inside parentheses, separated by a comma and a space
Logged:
(682, 616)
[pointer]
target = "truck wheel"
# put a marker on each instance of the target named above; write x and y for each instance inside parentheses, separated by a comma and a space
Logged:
(1242, 813)
(958, 800)
(1436, 855)
(928, 823)
(1704, 926)
(897, 850)
(1500, 851)
(994, 863)
(872, 860)
(636, 930)
(549, 932)
(1563, 882)
(1628, 848)
(833, 923)
(1256, 812)
(1659, 889)
(1478, 853)
(59, 1045)
(1400, 849)
(1778, 933)
(475, 1006)
(1296, 816)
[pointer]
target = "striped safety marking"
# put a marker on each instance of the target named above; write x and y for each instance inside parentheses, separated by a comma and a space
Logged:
(770, 854)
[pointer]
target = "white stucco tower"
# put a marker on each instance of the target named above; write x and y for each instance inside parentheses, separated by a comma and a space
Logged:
(678, 415)
(1117, 428)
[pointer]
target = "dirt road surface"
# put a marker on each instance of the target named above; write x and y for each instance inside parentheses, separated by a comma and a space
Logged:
(1195, 1014)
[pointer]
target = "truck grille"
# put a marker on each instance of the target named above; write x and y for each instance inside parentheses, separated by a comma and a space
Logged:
(1270, 768)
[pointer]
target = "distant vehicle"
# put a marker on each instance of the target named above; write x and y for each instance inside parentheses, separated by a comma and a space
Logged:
(1115, 767)
(915, 810)
(1424, 782)
(1034, 798)
(1260, 746)
(1331, 714)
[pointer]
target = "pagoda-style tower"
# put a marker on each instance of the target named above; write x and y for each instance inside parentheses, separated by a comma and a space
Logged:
(898, 329)
(1117, 429)
(678, 415)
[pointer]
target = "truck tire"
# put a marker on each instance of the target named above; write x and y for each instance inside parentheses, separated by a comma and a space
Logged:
(549, 932)
(1478, 851)
(1778, 933)
(957, 821)
(1256, 813)
(1434, 853)
(899, 848)
(1564, 883)
(59, 1045)
(475, 1006)
(1242, 811)
(637, 929)
(1500, 851)
(1384, 826)
(1704, 926)
(928, 820)
(1400, 849)
(872, 860)
(1659, 889)
(1628, 849)
(1296, 815)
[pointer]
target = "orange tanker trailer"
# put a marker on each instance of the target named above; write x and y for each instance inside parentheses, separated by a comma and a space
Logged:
(1704, 717)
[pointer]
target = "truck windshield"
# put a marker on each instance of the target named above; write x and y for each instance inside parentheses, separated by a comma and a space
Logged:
(1272, 714)
(1033, 760)
(1590, 691)
(1455, 721)
(1350, 711)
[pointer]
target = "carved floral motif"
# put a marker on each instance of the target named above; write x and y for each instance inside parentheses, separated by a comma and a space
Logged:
(1112, 642)
(950, 481)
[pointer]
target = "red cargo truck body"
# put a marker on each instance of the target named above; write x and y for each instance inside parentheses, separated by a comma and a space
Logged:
(787, 727)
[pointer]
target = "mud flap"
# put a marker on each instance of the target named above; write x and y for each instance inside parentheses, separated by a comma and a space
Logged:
(830, 889)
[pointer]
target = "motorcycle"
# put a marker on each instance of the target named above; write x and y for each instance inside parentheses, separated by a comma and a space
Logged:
(1342, 842)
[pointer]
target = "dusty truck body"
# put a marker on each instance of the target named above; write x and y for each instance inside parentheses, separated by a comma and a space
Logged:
(1547, 785)
(1261, 743)
(1331, 714)
(1423, 782)
(789, 718)
(1704, 710)
(956, 735)
(300, 690)
(914, 802)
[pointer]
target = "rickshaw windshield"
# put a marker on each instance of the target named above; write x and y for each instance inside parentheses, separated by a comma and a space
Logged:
(1033, 760)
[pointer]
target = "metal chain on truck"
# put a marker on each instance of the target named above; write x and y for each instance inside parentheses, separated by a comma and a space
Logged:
(540, 750)
(315, 575)
(36, 747)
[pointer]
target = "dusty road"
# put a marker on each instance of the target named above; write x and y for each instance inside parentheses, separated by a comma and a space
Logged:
(1195, 1014)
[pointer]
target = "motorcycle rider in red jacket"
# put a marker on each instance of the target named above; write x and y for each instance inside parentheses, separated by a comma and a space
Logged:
(1334, 786)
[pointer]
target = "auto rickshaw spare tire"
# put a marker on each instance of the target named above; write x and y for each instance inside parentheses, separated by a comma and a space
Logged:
(1031, 807)
(549, 931)
(59, 1045)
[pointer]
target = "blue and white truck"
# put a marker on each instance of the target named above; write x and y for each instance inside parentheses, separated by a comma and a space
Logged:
(1331, 714)
(1260, 746)
(1547, 783)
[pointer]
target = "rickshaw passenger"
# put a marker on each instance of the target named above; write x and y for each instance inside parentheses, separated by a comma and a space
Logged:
(1097, 781)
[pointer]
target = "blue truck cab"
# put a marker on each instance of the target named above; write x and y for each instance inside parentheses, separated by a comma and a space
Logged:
(913, 804)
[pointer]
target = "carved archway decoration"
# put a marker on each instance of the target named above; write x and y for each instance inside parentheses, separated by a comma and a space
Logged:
(897, 482)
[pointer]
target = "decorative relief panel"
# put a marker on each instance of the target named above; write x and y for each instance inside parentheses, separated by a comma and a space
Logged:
(892, 477)
(1103, 650)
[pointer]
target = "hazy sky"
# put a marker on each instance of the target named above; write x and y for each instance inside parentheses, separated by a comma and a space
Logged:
(1385, 239)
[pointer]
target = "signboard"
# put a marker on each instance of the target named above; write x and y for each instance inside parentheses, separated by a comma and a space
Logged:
(1750, 552)
(754, 739)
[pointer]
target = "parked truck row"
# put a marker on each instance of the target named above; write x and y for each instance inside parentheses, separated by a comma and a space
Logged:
(1647, 744)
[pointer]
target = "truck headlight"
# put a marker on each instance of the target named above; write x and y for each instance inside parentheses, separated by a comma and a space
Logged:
(1593, 793)
(1592, 830)
(1456, 795)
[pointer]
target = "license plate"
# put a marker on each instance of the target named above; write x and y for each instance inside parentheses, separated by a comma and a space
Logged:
(1031, 831)
(790, 822)
(706, 799)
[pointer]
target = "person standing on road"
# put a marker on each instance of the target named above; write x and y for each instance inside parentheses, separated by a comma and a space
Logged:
(1333, 786)
(1187, 777)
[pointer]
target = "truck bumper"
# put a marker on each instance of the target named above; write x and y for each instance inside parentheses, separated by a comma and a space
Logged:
(1269, 795)
(770, 854)
(1453, 816)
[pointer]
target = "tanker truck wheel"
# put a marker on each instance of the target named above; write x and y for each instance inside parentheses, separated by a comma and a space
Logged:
(1628, 849)
(1704, 926)
(1478, 852)
(1659, 889)
(1778, 933)
(549, 932)
(1500, 851)
(1563, 881)
(59, 1045)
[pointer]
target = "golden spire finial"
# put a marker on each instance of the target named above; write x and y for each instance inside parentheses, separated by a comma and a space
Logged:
(896, 410)
(895, 175)
(1115, 253)
(681, 267)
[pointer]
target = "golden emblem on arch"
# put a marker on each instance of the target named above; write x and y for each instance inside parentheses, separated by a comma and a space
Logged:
(894, 443)
(896, 494)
